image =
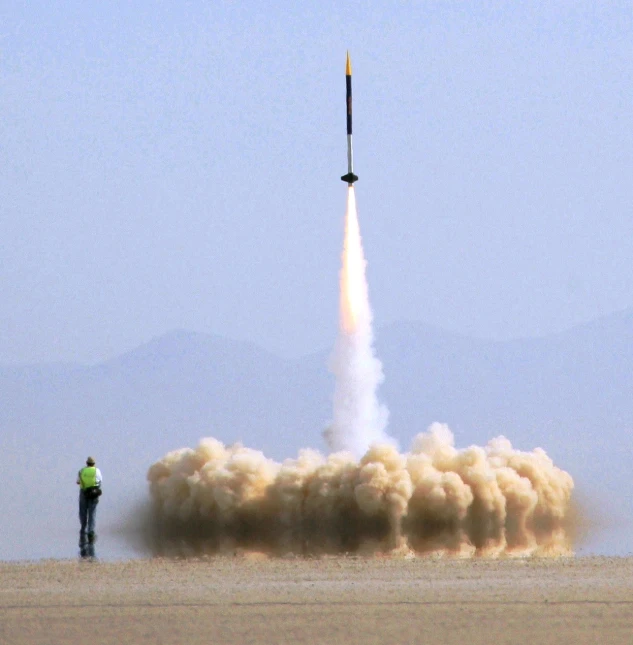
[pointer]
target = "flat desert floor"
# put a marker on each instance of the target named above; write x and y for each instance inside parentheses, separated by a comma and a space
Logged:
(329, 600)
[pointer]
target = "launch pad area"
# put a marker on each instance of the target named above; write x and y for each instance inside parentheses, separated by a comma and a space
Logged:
(252, 599)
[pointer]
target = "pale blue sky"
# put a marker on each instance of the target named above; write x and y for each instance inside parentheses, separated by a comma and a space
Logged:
(176, 165)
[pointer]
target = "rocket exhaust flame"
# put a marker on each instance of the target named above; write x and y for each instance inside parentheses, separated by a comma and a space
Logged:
(359, 420)
(354, 300)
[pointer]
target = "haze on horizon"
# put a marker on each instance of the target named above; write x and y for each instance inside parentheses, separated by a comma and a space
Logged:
(178, 168)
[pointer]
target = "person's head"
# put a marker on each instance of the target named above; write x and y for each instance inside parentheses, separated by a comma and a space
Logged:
(90, 461)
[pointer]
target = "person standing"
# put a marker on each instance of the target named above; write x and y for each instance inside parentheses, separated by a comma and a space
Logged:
(89, 480)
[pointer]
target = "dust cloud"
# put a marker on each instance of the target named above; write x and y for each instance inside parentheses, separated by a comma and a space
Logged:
(435, 499)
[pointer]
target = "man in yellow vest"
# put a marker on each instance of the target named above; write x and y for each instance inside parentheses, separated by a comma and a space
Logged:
(89, 480)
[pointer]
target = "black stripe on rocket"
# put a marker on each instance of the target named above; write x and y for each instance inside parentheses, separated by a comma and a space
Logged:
(348, 84)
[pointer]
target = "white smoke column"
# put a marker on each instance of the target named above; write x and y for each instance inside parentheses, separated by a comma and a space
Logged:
(359, 419)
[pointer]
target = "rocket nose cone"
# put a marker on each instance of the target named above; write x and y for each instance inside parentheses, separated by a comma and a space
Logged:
(348, 66)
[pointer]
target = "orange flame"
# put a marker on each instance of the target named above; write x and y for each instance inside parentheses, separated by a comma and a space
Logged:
(353, 285)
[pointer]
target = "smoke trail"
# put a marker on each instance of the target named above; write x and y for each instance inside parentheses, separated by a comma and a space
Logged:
(359, 420)
(434, 499)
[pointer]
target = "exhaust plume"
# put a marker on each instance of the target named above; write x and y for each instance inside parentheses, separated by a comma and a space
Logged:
(359, 420)
(435, 499)
(366, 497)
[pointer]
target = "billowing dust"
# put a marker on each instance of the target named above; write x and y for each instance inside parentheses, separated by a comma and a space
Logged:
(434, 499)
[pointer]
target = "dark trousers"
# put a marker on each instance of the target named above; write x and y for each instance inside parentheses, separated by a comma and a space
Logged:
(87, 514)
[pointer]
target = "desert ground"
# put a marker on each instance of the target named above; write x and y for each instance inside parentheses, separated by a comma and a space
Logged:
(251, 599)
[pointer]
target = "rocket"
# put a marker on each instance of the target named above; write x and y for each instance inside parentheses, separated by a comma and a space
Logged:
(350, 177)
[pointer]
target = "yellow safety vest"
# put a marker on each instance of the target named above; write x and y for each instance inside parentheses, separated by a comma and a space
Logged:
(88, 477)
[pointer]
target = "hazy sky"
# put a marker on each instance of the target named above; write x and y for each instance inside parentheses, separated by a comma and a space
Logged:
(176, 165)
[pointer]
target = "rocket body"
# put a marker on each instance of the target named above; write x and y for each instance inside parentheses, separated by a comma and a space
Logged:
(350, 177)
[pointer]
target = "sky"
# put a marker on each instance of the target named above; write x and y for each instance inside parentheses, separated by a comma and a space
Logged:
(176, 165)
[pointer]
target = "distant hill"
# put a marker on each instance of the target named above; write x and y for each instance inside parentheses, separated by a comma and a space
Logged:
(569, 393)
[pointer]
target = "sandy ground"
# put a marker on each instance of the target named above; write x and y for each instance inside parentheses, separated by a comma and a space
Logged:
(330, 600)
